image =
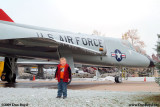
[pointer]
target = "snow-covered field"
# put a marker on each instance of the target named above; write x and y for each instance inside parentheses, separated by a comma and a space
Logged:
(108, 78)
(44, 97)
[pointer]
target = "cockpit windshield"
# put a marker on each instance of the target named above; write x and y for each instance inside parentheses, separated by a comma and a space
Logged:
(127, 44)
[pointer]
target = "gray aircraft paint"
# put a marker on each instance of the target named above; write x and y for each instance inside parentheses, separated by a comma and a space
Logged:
(85, 48)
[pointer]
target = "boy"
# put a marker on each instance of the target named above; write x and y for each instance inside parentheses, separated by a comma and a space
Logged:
(63, 75)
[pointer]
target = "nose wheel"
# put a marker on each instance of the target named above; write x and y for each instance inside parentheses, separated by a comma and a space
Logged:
(118, 79)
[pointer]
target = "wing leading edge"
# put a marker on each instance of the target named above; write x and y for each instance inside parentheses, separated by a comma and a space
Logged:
(23, 33)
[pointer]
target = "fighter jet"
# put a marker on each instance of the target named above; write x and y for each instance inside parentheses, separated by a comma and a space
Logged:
(25, 41)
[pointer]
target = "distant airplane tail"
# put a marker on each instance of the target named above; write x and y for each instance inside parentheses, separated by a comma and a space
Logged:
(4, 16)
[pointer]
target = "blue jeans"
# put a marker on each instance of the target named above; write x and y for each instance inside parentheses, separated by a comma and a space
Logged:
(62, 88)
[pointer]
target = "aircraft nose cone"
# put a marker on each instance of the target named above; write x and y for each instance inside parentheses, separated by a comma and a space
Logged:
(151, 63)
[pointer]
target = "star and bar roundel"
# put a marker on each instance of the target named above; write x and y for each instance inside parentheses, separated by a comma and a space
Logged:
(118, 55)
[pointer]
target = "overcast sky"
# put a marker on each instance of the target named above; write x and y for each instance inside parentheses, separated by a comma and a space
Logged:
(111, 17)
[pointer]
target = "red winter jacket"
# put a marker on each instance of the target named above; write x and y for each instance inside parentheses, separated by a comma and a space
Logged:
(67, 73)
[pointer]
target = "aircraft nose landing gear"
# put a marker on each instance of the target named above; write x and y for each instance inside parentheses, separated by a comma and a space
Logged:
(118, 79)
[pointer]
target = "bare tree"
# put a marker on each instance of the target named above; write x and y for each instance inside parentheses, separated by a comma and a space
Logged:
(134, 39)
(98, 33)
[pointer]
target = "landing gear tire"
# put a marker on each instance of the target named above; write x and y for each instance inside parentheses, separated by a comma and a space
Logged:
(14, 78)
(118, 79)
(11, 79)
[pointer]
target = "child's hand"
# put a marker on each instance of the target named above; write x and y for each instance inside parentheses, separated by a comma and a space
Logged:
(69, 79)
(56, 79)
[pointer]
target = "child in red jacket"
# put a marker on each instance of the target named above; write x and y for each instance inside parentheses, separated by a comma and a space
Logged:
(63, 75)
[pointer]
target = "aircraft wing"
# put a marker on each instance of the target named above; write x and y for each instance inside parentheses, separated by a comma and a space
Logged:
(35, 62)
(19, 35)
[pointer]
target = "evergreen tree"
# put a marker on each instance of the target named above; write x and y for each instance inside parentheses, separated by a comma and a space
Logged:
(158, 63)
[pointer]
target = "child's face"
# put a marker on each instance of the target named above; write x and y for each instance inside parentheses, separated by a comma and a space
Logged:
(63, 62)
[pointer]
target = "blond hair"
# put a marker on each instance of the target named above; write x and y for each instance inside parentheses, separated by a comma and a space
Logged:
(63, 58)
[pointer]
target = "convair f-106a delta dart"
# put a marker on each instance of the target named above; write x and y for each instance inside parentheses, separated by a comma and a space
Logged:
(24, 41)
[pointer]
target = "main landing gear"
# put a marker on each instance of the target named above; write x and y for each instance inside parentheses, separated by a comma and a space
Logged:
(118, 77)
(10, 69)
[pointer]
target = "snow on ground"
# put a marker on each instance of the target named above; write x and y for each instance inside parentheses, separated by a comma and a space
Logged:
(44, 97)
(107, 78)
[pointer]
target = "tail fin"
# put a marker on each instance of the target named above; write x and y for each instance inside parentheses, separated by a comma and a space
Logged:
(4, 16)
